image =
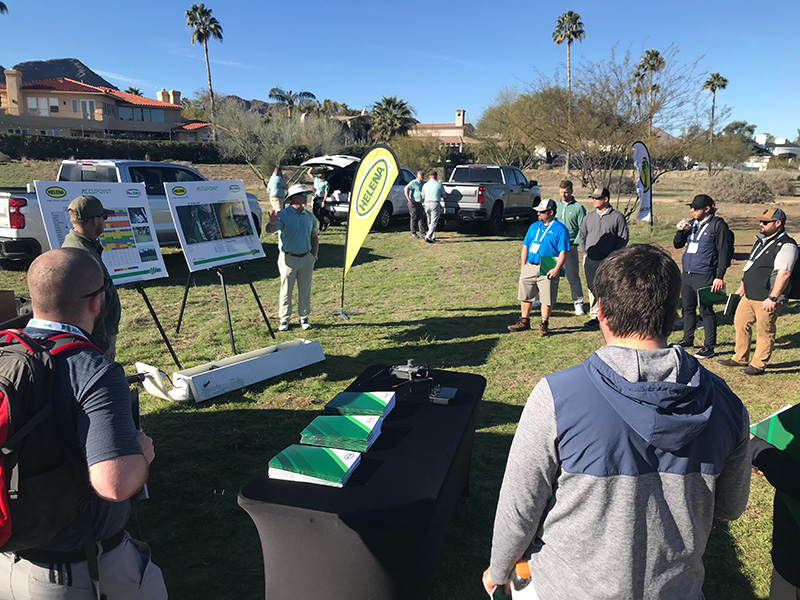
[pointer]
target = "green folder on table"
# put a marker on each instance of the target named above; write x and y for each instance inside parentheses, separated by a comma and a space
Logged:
(361, 403)
(347, 432)
(312, 464)
(546, 263)
(782, 429)
(705, 297)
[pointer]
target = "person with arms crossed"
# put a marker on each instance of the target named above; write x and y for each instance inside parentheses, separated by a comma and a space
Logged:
(547, 241)
(432, 195)
(66, 288)
(763, 291)
(88, 218)
(416, 208)
(709, 249)
(571, 213)
(298, 243)
(620, 464)
(603, 231)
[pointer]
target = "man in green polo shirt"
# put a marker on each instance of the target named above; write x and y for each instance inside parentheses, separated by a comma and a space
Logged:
(298, 243)
(416, 210)
(571, 213)
(88, 218)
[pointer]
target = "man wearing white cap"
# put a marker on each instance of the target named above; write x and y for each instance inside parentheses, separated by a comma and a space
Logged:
(298, 243)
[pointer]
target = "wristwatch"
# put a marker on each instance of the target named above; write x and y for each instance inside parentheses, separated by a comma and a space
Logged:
(773, 298)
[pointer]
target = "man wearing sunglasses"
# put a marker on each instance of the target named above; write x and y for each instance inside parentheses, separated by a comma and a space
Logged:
(88, 218)
(763, 291)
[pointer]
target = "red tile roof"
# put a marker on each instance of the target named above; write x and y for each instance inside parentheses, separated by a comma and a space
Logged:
(65, 84)
(435, 125)
(192, 125)
(136, 100)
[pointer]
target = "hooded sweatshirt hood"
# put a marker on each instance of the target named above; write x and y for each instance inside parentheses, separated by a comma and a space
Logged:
(663, 394)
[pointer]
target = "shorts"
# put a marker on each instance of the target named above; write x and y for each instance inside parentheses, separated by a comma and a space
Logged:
(531, 285)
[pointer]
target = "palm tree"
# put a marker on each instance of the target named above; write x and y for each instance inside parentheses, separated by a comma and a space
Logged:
(638, 90)
(290, 98)
(134, 91)
(652, 62)
(568, 28)
(391, 116)
(3, 8)
(205, 27)
(714, 83)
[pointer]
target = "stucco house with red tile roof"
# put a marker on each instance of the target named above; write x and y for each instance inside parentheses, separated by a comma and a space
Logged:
(69, 108)
(454, 135)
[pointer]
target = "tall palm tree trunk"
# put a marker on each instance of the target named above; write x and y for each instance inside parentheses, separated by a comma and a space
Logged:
(711, 130)
(210, 94)
(569, 100)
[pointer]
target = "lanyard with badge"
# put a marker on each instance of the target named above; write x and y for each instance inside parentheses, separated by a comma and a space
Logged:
(694, 240)
(753, 258)
(56, 326)
(534, 247)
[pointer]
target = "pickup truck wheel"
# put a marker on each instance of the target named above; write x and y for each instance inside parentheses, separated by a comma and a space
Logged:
(495, 223)
(384, 217)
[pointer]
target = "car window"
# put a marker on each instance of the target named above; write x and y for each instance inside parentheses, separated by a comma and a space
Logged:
(151, 177)
(476, 174)
(521, 179)
(176, 174)
(508, 174)
(78, 172)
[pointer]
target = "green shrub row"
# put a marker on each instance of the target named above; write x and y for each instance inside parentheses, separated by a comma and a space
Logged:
(41, 147)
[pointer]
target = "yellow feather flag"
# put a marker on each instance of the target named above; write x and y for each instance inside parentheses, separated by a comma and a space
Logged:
(371, 186)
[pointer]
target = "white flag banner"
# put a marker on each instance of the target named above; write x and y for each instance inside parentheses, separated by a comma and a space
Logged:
(641, 158)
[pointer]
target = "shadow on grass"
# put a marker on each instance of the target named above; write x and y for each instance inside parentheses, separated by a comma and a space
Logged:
(724, 576)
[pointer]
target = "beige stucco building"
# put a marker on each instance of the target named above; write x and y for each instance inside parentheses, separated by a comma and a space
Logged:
(69, 108)
(453, 135)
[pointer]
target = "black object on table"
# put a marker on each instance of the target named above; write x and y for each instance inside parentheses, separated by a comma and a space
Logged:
(381, 535)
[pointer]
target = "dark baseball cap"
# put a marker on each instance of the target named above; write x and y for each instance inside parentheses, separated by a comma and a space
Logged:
(701, 201)
(84, 208)
(600, 193)
(773, 214)
(545, 205)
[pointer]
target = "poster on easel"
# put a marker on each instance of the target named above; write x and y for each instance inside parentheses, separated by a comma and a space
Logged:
(130, 247)
(214, 224)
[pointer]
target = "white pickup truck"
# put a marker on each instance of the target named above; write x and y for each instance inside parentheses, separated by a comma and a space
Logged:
(490, 194)
(22, 235)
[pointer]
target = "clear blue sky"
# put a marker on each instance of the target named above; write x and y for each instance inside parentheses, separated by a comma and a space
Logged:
(438, 56)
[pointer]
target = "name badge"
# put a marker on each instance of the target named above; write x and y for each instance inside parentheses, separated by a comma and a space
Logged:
(692, 248)
(534, 248)
(748, 264)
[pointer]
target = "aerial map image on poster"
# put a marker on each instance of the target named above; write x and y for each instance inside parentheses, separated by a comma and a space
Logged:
(199, 223)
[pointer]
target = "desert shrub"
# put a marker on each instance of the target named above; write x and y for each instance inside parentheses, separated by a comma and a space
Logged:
(742, 188)
(781, 183)
(787, 164)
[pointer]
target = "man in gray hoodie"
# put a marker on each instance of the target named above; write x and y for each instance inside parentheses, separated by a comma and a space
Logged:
(620, 463)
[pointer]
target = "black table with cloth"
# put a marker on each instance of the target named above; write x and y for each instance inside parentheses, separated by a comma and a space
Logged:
(381, 535)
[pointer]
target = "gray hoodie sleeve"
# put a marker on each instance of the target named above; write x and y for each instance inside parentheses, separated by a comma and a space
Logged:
(528, 484)
(733, 484)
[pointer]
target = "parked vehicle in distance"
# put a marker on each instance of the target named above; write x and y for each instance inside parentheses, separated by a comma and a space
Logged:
(340, 171)
(22, 234)
(490, 194)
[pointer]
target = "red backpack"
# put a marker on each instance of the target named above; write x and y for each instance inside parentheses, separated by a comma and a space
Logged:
(44, 481)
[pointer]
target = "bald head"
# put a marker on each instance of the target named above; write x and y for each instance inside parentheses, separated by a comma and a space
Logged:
(58, 279)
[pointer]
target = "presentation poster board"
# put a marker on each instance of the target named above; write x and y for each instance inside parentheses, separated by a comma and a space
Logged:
(130, 247)
(214, 224)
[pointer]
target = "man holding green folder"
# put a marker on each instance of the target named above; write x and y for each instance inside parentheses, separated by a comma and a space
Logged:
(544, 251)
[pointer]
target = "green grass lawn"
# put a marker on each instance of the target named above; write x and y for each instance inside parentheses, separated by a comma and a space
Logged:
(445, 305)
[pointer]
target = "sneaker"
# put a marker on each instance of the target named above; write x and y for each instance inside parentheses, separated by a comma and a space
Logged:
(522, 325)
(414, 235)
(727, 362)
(579, 309)
(536, 304)
(430, 240)
(305, 324)
(592, 325)
(543, 329)
(751, 370)
(705, 352)
(284, 326)
(686, 343)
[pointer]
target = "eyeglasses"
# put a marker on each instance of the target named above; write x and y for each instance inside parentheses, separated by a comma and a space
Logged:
(96, 292)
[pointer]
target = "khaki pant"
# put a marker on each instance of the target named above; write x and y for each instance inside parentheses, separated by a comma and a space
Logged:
(299, 269)
(532, 285)
(747, 313)
(589, 269)
(277, 203)
(126, 573)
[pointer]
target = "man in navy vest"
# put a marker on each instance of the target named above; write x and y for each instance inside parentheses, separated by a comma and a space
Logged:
(763, 291)
(709, 248)
(620, 464)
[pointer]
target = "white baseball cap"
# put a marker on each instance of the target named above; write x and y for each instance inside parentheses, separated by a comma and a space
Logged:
(296, 189)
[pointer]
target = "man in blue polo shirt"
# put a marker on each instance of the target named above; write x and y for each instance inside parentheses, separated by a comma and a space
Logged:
(432, 195)
(416, 209)
(544, 251)
(298, 243)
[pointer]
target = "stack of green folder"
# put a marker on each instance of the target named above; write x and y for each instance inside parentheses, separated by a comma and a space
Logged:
(361, 403)
(348, 432)
(312, 464)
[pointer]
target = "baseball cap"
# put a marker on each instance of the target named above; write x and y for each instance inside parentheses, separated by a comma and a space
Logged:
(701, 201)
(84, 208)
(773, 214)
(600, 193)
(545, 205)
(296, 189)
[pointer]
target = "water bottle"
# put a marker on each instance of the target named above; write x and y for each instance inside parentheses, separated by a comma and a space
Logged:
(521, 587)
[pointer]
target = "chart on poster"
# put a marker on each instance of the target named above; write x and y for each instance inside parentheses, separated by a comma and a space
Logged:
(130, 247)
(214, 225)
